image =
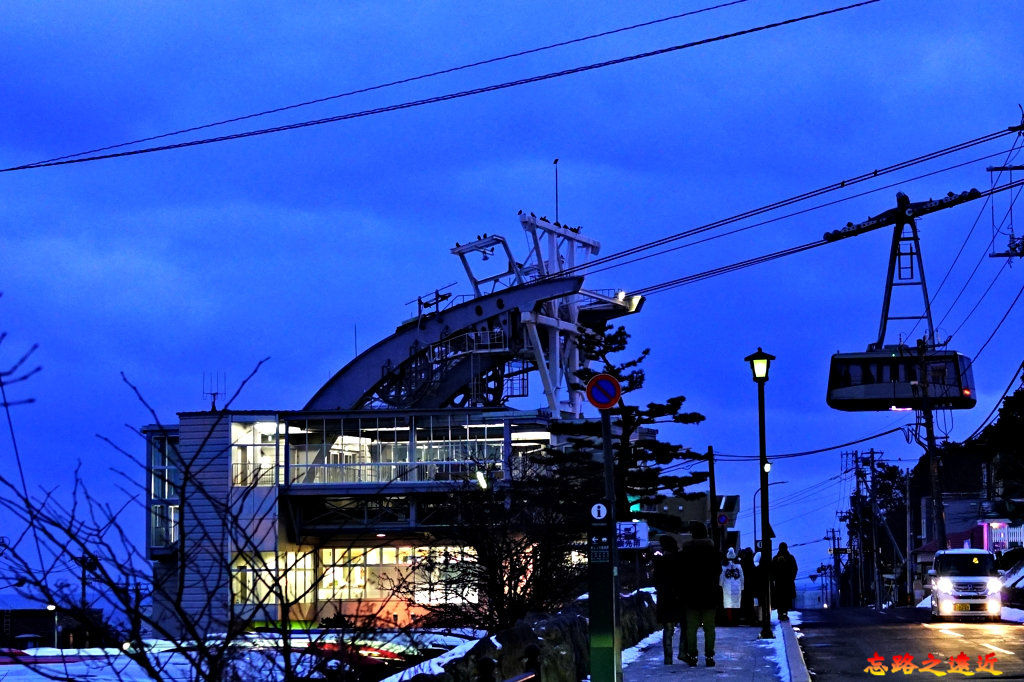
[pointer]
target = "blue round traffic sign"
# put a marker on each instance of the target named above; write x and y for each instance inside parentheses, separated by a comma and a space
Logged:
(603, 391)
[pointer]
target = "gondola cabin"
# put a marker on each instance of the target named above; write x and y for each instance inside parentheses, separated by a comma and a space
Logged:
(894, 378)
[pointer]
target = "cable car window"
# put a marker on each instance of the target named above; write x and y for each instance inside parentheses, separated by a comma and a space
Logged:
(887, 374)
(938, 373)
(866, 375)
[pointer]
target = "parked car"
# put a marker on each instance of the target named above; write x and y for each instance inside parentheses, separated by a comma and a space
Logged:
(966, 584)
(1013, 586)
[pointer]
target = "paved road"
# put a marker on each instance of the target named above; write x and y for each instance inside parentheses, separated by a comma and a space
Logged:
(838, 644)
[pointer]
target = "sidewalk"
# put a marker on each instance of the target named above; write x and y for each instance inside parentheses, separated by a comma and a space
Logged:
(739, 655)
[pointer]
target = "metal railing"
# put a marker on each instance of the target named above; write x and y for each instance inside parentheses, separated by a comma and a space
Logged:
(382, 473)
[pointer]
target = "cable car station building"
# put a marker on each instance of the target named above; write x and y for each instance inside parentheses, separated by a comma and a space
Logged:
(295, 515)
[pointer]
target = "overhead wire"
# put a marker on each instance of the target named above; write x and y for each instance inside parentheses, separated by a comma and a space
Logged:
(743, 458)
(980, 299)
(797, 496)
(1013, 303)
(977, 266)
(1010, 155)
(401, 81)
(984, 255)
(834, 202)
(442, 98)
(985, 422)
(781, 203)
(758, 260)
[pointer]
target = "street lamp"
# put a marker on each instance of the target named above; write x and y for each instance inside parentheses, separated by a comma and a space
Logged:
(53, 607)
(759, 363)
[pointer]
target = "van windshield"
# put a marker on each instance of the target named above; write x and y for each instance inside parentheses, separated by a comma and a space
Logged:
(965, 565)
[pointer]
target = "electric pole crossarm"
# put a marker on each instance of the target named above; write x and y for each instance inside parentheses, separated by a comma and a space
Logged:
(905, 211)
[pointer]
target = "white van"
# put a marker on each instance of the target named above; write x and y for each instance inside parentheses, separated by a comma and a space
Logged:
(965, 584)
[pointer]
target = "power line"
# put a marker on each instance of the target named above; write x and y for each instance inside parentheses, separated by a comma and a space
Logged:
(1010, 155)
(745, 458)
(401, 81)
(980, 299)
(442, 98)
(977, 266)
(1005, 315)
(995, 407)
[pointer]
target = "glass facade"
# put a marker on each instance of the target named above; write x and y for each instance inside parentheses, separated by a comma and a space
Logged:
(376, 449)
(391, 448)
(164, 491)
(429, 575)
(255, 453)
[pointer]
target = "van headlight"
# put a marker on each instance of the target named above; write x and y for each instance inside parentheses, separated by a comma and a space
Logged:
(944, 585)
(994, 585)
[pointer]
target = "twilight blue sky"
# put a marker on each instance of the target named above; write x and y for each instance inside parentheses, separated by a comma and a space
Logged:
(168, 265)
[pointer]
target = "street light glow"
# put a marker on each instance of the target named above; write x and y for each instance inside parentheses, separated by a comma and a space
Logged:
(759, 363)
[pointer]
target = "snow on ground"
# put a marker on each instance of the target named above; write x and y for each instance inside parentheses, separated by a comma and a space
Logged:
(1014, 615)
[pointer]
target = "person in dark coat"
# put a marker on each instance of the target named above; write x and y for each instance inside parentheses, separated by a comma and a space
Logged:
(750, 586)
(668, 584)
(783, 581)
(702, 565)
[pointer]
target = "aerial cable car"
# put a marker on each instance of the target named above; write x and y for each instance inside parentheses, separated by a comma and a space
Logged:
(902, 377)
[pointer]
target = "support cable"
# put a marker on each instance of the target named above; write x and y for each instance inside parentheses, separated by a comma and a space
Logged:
(863, 177)
(401, 81)
(740, 265)
(442, 98)
(834, 202)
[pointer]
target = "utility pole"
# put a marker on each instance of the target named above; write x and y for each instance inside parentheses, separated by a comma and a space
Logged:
(713, 501)
(859, 529)
(833, 538)
(934, 466)
(873, 491)
(910, 546)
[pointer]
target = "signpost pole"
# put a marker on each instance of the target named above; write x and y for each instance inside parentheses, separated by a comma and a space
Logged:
(604, 391)
(605, 638)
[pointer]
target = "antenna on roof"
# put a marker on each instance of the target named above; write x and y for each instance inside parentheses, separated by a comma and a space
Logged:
(214, 384)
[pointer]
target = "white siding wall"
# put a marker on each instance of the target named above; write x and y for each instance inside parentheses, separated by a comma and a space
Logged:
(205, 449)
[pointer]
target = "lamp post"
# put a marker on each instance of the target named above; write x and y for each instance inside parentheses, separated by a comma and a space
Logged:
(759, 363)
(53, 607)
(753, 506)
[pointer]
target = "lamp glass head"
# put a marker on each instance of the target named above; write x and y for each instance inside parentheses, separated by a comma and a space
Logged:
(759, 363)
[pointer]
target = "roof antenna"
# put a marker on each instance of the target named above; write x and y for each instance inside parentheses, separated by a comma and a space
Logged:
(214, 385)
(556, 189)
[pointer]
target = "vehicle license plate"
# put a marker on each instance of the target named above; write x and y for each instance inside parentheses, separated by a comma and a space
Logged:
(961, 607)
